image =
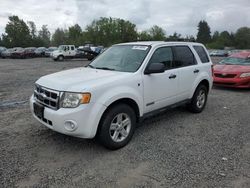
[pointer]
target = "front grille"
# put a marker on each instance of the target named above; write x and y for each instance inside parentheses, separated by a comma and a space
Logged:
(46, 121)
(219, 75)
(47, 97)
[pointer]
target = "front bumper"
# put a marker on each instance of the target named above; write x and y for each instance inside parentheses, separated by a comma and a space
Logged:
(83, 116)
(232, 82)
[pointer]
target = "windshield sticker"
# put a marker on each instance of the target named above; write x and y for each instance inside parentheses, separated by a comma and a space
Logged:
(140, 48)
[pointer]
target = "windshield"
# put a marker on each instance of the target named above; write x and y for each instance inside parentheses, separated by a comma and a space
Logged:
(235, 61)
(124, 58)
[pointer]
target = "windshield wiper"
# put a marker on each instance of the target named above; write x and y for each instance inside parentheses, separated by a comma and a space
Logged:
(91, 66)
(104, 68)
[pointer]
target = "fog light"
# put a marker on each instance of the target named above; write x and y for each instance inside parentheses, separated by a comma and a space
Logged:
(70, 125)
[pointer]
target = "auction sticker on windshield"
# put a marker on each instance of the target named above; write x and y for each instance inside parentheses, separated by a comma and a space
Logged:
(140, 48)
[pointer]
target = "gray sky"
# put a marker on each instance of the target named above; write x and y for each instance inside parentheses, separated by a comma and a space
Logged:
(181, 16)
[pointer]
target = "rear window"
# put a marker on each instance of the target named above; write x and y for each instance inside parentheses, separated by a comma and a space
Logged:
(202, 54)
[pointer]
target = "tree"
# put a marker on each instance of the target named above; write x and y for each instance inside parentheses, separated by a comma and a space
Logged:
(144, 36)
(225, 39)
(32, 28)
(75, 35)
(242, 38)
(107, 31)
(215, 36)
(44, 36)
(204, 32)
(59, 37)
(157, 33)
(17, 33)
(174, 37)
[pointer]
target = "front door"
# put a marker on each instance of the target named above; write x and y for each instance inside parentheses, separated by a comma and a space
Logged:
(161, 89)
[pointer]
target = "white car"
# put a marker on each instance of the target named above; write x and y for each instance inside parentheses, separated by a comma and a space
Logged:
(122, 86)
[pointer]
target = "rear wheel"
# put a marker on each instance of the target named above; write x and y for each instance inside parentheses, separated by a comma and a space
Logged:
(117, 127)
(199, 99)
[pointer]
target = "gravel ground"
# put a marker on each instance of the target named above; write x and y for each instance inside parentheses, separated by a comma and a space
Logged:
(173, 149)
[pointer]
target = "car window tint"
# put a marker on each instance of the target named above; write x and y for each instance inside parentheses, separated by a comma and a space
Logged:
(163, 55)
(183, 56)
(202, 54)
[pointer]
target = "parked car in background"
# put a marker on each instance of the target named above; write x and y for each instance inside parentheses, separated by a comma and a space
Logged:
(219, 53)
(91, 52)
(18, 52)
(233, 71)
(49, 51)
(40, 52)
(7, 53)
(80, 54)
(1, 50)
(30, 52)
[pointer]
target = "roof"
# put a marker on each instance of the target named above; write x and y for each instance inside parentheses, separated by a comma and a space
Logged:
(244, 54)
(156, 43)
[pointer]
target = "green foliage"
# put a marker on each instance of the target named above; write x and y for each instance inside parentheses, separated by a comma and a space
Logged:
(157, 33)
(174, 37)
(242, 38)
(107, 31)
(144, 36)
(44, 36)
(59, 37)
(75, 35)
(17, 33)
(204, 33)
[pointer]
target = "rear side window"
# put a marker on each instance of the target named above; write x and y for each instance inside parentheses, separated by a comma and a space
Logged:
(72, 47)
(183, 56)
(202, 54)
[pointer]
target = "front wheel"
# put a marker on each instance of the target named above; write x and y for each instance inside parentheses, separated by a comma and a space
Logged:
(60, 58)
(199, 99)
(117, 127)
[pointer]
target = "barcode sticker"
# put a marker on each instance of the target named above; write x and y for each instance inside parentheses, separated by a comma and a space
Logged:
(140, 48)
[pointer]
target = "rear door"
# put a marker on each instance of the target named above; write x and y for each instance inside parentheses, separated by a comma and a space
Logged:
(161, 89)
(188, 67)
(72, 51)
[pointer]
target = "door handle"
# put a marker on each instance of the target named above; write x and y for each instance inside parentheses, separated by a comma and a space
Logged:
(172, 76)
(196, 71)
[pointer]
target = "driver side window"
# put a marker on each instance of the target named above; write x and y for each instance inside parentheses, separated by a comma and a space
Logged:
(163, 55)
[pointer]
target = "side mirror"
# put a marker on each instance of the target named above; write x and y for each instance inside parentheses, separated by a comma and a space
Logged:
(155, 68)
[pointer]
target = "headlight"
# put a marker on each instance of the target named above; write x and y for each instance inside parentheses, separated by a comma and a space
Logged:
(73, 100)
(244, 75)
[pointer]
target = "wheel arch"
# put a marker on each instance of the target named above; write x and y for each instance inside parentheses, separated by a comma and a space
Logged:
(128, 101)
(203, 81)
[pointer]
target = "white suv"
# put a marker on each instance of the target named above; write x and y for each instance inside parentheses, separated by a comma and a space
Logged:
(122, 86)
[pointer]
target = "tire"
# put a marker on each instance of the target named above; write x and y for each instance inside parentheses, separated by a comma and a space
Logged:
(60, 58)
(199, 99)
(120, 133)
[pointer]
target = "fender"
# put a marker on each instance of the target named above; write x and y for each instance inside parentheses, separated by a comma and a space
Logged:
(121, 92)
(107, 98)
(202, 76)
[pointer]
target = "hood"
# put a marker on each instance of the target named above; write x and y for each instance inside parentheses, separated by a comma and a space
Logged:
(231, 68)
(57, 51)
(79, 79)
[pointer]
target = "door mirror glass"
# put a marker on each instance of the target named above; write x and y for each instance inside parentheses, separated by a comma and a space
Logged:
(155, 68)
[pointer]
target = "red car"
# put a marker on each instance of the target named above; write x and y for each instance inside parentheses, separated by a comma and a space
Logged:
(233, 71)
